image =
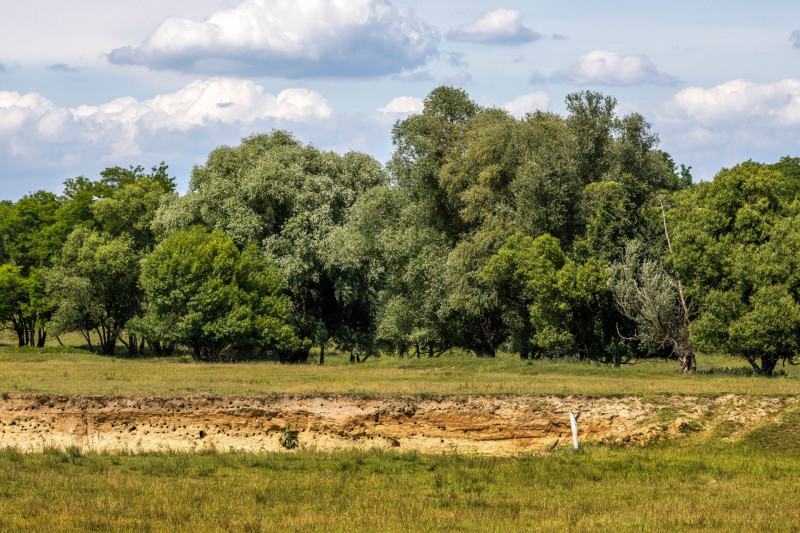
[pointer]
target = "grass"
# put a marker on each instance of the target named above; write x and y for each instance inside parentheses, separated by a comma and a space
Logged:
(701, 482)
(667, 487)
(57, 370)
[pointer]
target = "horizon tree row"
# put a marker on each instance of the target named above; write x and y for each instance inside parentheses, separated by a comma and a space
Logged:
(547, 236)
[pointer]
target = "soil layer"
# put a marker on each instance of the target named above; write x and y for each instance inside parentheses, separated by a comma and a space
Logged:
(468, 424)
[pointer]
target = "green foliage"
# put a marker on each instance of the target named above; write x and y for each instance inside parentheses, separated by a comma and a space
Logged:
(204, 293)
(95, 284)
(23, 304)
(736, 246)
(130, 209)
(558, 294)
(484, 231)
(275, 193)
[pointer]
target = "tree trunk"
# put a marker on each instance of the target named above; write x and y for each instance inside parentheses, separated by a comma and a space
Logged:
(322, 353)
(686, 357)
(108, 341)
(42, 334)
(768, 364)
(133, 345)
(88, 336)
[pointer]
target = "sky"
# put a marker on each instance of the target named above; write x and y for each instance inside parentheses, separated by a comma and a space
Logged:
(88, 84)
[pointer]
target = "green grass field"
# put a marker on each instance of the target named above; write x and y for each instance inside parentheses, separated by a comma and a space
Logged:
(667, 487)
(74, 372)
(695, 483)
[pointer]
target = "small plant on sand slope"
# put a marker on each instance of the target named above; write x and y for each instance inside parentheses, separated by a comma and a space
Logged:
(289, 438)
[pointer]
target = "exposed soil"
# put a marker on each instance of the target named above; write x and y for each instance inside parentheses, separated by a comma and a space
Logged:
(484, 425)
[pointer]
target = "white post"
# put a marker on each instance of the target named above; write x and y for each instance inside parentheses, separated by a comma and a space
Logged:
(574, 424)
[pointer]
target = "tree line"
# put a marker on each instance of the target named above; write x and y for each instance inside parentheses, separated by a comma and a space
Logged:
(547, 236)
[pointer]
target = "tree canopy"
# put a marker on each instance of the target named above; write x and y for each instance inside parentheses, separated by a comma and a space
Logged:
(547, 235)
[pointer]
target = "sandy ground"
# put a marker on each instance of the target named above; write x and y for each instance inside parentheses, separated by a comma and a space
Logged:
(484, 425)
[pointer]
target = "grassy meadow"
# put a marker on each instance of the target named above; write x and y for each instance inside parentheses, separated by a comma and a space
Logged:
(665, 487)
(695, 483)
(66, 370)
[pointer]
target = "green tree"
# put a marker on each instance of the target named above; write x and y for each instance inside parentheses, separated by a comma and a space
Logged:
(288, 198)
(552, 301)
(94, 286)
(131, 209)
(405, 260)
(23, 304)
(757, 317)
(204, 293)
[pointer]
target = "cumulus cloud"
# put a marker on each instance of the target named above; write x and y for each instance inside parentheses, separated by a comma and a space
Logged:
(290, 38)
(403, 104)
(795, 38)
(605, 67)
(776, 103)
(29, 123)
(728, 123)
(527, 103)
(502, 26)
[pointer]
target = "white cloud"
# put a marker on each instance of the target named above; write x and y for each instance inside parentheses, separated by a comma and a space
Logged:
(612, 68)
(502, 26)
(403, 104)
(31, 124)
(731, 122)
(775, 103)
(290, 38)
(527, 103)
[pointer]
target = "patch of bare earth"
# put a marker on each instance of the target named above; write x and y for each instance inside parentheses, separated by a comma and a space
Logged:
(484, 425)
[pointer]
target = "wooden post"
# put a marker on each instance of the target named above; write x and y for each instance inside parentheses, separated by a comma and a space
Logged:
(574, 424)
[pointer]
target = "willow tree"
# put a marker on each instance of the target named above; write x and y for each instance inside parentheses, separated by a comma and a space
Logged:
(286, 198)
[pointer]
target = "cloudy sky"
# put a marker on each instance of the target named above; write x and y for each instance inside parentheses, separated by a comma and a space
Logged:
(87, 84)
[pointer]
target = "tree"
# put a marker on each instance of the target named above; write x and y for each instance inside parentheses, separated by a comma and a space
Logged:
(757, 317)
(648, 295)
(130, 209)
(204, 293)
(734, 245)
(716, 221)
(552, 301)
(94, 284)
(590, 120)
(402, 262)
(274, 192)
(422, 143)
(23, 304)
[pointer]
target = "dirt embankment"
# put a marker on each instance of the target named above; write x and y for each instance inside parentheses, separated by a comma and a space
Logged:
(485, 425)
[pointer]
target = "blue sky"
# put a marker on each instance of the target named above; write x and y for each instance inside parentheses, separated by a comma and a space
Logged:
(87, 84)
